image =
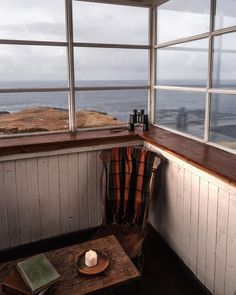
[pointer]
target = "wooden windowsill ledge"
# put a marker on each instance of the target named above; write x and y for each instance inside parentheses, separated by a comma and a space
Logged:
(208, 158)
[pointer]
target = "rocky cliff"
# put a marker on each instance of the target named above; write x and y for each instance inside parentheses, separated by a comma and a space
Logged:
(50, 119)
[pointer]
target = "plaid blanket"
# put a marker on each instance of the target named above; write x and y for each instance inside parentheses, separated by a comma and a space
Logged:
(128, 185)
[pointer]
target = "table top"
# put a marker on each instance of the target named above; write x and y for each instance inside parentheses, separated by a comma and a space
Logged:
(120, 270)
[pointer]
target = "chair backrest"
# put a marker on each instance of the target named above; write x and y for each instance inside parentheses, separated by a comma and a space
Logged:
(128, 177)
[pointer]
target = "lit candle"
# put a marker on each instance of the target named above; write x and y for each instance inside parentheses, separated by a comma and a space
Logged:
(91, 258)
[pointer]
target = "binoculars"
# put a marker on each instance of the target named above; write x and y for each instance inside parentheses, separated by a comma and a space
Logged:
(138, 117)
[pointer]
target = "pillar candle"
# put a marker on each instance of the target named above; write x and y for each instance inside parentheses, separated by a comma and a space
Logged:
(91, 258)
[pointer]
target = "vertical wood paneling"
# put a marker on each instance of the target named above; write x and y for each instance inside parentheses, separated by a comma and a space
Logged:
(211, 236)
(12, 203)
(221, 239)
(50, 195)
(92, 189)
(187, 215)
(209, 227)
(54, 192)
(83, 190)
(202, 230)
(64, 193)
(194, 223)
(44, 197)
(23, 201)
(171, 183)
(230, 283)
(4, 236)
(74, 191)
(33, 196)
(174, 214)
(179, 209)
(98, 185)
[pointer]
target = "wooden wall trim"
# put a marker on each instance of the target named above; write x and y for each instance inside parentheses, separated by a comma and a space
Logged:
(208, 158)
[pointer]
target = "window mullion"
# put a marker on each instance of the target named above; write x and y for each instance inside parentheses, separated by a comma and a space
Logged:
(209, 75)
(152, 65)
(70, 60)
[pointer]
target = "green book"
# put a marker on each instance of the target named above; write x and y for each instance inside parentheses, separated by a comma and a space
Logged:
(38, 273)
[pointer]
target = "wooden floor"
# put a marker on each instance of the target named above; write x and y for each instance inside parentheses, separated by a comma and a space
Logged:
(163, 273)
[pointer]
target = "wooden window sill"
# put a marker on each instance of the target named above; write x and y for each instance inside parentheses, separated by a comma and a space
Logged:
(210, 159)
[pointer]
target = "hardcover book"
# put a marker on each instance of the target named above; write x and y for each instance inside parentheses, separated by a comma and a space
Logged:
(14, 284)
(38, 273)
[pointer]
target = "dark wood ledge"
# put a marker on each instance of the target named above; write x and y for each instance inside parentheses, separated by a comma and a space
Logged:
(39, 143)
(210, 159)
(206, 157)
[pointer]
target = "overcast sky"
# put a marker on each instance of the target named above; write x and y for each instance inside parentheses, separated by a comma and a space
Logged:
(45, 20)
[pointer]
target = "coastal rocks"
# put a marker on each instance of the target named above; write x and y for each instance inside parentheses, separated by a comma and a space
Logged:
(4, 113)
(40, 119)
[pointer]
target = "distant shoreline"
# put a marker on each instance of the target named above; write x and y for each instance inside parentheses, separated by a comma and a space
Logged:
(41, 119)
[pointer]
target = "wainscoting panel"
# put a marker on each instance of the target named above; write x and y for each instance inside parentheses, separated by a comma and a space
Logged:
(196, 215)
(47, 194)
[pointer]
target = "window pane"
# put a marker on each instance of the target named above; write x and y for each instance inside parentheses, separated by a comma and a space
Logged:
(223, 120)
(225, 14)
(106, 23)
(111, 66)
(94, 108)
(224, 61)
(32, 20)
(32, 66)
(183, 64)
(181, 111)
(178, 19)
(33, 112)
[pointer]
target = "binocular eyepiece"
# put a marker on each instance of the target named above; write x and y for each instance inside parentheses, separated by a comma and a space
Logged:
(138, 117)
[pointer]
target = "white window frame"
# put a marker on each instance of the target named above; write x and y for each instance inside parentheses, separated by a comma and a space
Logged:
(70, 45)
(208, 90)
(152, 47)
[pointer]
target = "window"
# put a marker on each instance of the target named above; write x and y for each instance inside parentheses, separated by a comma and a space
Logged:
(196, 69)
(32, 66)
(110, 62)
(33, 112)
(178, 19)
(33, 72)
(112, 24)
(116, 103)
(32, 20)
(95, 62)
(223, 120)
(179, 110)
(110, 66)
(225, 15)
(183, 64)
(107, 62)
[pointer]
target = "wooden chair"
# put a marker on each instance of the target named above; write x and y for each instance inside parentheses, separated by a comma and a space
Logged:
(122, 169)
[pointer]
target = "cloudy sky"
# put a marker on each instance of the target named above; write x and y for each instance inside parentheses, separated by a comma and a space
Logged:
(45, 20)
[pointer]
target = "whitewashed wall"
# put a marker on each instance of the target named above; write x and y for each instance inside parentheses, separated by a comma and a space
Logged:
(44, 195)
(196, 215)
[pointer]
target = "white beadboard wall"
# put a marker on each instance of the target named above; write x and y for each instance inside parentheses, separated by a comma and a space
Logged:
(48, 194)
(196, 215)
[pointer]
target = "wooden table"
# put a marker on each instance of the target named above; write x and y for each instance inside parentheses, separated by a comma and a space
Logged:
(121, 270)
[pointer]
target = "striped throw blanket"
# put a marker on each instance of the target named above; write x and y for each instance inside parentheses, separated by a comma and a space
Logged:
(129, 178)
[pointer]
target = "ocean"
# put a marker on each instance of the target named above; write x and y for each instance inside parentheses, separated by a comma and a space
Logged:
(183, 111)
